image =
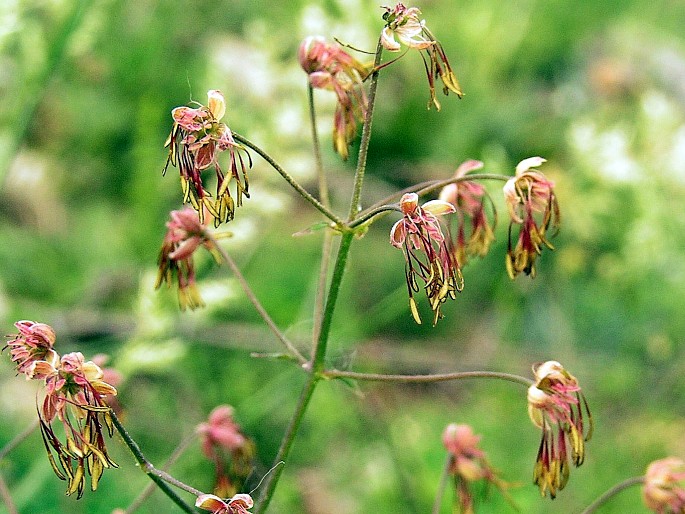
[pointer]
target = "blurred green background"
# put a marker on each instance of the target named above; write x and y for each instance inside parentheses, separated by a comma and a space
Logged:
(598, 88)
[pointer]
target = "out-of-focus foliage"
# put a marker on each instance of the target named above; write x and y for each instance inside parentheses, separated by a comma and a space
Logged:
(598, 88)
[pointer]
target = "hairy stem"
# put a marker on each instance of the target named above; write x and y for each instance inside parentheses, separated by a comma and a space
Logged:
(255, 301)
(290, 180)
(613, 492)
(437, 377)
(158, 477)
(286, 444)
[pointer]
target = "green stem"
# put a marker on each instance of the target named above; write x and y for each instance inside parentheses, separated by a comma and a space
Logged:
(286, 444)
(327, 243)
(613, 492)
(147, 492)
(290, 180)
(158, 477)
(255, 301)
(442, 485)
(421, 189)
(366, 138)
(319, 351)
(321, 176)
(437, 377)
(371, 213)
(333, 291)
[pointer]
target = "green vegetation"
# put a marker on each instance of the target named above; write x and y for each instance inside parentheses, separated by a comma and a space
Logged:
(594, 87)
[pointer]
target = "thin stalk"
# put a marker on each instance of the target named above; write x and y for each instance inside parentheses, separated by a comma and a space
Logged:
(327, 243)
(18, 439)
(321, 176)
(290, 180)
(7, 497)
(286, 444)
(319, 352)
(613, 492)
(437, 377)
(442, 485)
(158, 477)
(333, 291)
(147, 492)
(422, 188)
(366, 137)
(370, 213)
(255, 301)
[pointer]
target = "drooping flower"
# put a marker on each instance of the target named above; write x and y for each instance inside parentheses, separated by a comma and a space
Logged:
(426, 254)
(469, 198)
(34, 342)
(330, 67)
(238, 504)
(556, 406)
(664, 487)
(230, 451)
(185, 234)
(468, 464)
(74, 395)
(197, 138)
(534, 208)
(405, 24)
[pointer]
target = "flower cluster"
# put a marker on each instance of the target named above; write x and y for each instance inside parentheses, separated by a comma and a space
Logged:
(556, 405)
(222, 439)
(427, 257)
(405, 24)
(75, 396)
(238, 504)
(533, 207)
(197, 138)
(330, 67)
(468, 464)
(469, 199)
(664, 486)
(185, 234)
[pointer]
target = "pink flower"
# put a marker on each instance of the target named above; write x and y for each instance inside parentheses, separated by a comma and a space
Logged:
(330, 67)
(197, 138)
(238, 504)
(468, 463)
(427, 257)
(74, 394)
(664, 491)
(33, 343)
(185, 234)
(220, 432)
(469, 199)
(533, 206)
(556, 405)
(405, 23)
(222, 441)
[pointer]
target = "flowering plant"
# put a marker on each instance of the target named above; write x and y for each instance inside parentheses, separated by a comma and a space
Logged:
(438, 237)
